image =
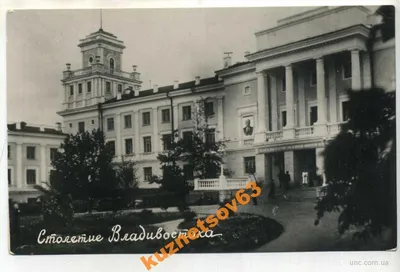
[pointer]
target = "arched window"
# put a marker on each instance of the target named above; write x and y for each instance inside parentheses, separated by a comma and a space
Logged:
(112, 66)
(90, 60)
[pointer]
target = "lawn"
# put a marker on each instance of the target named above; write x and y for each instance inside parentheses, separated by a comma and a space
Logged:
(240, 233)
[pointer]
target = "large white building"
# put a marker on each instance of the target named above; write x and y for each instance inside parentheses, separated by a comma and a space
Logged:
(29, 154)
(277, 110)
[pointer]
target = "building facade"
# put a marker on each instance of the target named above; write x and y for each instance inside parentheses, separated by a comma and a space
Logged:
(276, 111)
(30, 151)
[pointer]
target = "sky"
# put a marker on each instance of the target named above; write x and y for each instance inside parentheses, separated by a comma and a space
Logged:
(165, 44)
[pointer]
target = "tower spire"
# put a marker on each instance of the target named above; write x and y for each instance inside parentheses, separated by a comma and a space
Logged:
(101, 20)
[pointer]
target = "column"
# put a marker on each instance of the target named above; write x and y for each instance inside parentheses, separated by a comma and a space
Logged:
(355, 70)
(156, 140)
(220, 123)
(65, 97)
(176, 116)
(302, 99)
(43, 165)
(19, 182)
(136, 148)
(274, 102)
(118, 144)
(75, 94)
(366, 71)
(319, 160)
(289, 164)
(288, 130)
(261, 167)
(261, 105)
(332, 93)
(320, 126)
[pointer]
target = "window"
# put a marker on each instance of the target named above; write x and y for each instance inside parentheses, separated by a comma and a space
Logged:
(313, 115)
(147, 173)
(165, 116)
(345, 111)
(128, 146)
(112, 65)
(30, 176)
(147, 144)
(247, 90)
(52, 176)
(9, 176)
(111, 144)
(188, 172)
(210, 136)
(145, 118)
(30, 152)
(167, 140)
(80, 88)
(110, 124)
(71, 90)
(313, 78)
(108, 87)
(187, 137)
(186, 112)
(53, 154)
(250, 165)
(209, 109)
(284, 118)
(92, 122)
(89, 86)
(90, 60)
(284, 83)
(81, 127)
(32, 200)
(70, 125)
(347, 69)
(128, 121)
(9, 151)
(120, 88)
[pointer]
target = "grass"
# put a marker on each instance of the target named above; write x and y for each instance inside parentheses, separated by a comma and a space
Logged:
(240, 233)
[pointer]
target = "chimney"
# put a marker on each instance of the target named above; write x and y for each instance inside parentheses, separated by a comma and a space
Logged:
(23, 124)
(68, 66)
(58, 124)
(197, 82)
(18, 125)
(136, 92)
(227, 59)
(176, 84)
(134, 68)
(155, 88)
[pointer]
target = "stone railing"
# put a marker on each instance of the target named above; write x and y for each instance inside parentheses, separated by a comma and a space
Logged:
(206, 184)
(334, 128)
(100, 68)
(303, 132)
(273, 135)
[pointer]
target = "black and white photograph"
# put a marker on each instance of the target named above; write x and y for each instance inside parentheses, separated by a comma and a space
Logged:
(201, 130)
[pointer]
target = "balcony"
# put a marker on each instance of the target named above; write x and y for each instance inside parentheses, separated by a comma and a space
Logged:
(304, 132)
(100, 69)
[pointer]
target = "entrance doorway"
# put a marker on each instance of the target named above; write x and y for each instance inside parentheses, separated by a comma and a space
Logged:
(306, 163)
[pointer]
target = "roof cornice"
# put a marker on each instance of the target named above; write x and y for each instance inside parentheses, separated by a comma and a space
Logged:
(309, 18)
(248, 67)
(356, 30)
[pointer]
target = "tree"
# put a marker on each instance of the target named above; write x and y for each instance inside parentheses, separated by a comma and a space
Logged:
(83, 167)
(360, 166)
(199, 151)
(203, 152)
(127, 181)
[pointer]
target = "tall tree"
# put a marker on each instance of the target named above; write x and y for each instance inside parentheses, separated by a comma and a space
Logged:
(83, 167)
(360, 166)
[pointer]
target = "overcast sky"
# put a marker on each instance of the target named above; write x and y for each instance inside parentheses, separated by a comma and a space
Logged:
(166, 44)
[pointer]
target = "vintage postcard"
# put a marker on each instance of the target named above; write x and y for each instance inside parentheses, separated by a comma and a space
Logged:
(218, 130)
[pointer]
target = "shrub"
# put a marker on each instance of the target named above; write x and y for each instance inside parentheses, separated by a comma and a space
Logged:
(189, 215)
(222, 204)
(146, 214)
(57, 209)
(30, 208)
